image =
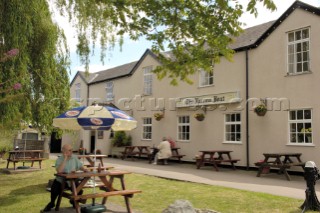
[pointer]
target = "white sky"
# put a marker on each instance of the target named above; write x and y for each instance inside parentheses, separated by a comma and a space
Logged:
(133, 50)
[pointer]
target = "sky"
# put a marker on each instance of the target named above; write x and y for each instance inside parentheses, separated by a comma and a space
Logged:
(133, 50)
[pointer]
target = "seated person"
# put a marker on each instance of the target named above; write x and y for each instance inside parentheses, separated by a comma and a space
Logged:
(66, 163)
(164, 151)
(172, 142)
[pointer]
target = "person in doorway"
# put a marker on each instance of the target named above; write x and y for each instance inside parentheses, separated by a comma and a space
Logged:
(66, 163)
(164, 151)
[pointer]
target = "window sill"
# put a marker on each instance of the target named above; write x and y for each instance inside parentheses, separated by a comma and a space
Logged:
(301, 144)
(205, 86)
(232, 142)
(297, 74)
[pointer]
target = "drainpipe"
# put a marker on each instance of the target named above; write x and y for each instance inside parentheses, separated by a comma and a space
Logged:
(247, 110)
(88, 94)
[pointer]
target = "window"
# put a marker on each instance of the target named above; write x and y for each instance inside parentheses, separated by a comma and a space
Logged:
(206, 78)
(146, 128)
(78, 92)
(183, 128)
(300, 126)
(109, 91)
(233, 127)
(147, 80)
(298, 51)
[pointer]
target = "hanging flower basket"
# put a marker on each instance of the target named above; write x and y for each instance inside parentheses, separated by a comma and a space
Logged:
(199, 116)
(158, 116)
(261, 110)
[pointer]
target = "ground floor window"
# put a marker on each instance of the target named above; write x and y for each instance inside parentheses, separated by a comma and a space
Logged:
(184, 128)
(300, 126)
(232, 127)
(146, 128)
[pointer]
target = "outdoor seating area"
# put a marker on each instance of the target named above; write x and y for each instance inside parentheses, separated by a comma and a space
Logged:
(215, 158)
(105, 187)
(281, 161)
(23, 156)
(147, 152)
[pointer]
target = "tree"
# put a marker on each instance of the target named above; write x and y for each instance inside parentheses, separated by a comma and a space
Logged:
(40, 68)
(197, 32)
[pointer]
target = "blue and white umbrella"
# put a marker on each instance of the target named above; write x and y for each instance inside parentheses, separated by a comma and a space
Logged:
(95, 117)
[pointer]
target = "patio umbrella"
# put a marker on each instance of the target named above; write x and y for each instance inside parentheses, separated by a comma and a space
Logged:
(95, 118)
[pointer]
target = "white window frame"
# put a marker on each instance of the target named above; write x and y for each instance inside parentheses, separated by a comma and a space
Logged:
(235, 134)
(298, 51)
(206, 78)
(109, 91)
(300, 126)
(147, 80)
(78, 92)
(146, 128)
(183, 128)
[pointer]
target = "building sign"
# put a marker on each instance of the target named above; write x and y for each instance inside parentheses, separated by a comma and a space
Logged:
(222, 98)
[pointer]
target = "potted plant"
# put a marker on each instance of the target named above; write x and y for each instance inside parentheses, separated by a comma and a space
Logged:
(199, 116)
(119, 140)
(158, 116)
(261, 109)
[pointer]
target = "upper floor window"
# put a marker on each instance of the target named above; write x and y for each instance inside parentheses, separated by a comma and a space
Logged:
(184, 128)
(300, 126)
(147, 128)
(233, 127)
(298, 51)
(109, 91)
(206, 78)
(78, 92)
(147, 80)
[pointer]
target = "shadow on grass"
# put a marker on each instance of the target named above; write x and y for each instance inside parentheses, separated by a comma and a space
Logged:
(16, 195)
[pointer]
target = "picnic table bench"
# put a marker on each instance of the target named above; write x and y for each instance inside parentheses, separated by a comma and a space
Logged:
(135, 151)
(23, 156)
(175, 154)
(105, 185)
(215, 157)
(282, 161)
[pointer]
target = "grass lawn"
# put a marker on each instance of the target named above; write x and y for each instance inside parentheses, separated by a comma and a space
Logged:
(25, 193)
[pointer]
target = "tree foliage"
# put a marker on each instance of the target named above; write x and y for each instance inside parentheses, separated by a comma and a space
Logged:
(40, 67)
(196, 31)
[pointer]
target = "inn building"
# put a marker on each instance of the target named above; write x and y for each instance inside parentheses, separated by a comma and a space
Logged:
(276, 63)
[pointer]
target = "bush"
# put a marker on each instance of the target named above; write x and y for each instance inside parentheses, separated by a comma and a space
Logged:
(121, 139)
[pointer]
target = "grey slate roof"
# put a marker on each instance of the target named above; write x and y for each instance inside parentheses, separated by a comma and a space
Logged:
(250, 35)
(249, 38)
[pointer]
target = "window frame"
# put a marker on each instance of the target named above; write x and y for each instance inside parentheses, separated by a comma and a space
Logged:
(235, 123)
(184, 136)
(109, 91)
(204, 78)
(78, 92)
(146, 126)
(292, 67)
(300, 133)
(147, 80)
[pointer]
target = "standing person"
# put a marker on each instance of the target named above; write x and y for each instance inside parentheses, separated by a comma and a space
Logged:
(66, 163)
(164, 151)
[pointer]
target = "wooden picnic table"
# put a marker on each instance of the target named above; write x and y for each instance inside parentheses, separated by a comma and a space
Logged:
(105, 189)
(90, 159)
(174, 150)
(23, 156)
(135, 151)
(215, 157)
(283, 161)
